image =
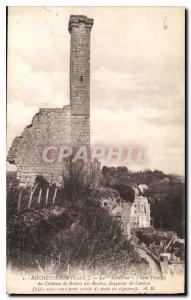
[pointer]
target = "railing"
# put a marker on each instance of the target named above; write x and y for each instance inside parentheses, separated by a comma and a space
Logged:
(26, 199)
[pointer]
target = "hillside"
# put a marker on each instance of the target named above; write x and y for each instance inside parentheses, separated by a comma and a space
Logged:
(75, 231)
(166, 194)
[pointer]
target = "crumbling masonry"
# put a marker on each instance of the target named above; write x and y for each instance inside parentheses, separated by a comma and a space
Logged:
(69, 125)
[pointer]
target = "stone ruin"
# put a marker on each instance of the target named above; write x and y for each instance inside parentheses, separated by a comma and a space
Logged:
(69, 125)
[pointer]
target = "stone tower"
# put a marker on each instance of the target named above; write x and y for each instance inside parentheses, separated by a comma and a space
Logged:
(53, 128)
(80, 28)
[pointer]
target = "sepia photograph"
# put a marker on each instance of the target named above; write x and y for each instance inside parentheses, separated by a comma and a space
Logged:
(95, 150)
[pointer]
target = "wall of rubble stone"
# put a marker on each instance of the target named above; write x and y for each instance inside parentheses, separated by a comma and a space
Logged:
(58, 127)
(49, 127)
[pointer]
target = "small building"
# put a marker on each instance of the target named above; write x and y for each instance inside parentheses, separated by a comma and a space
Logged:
(140, 213)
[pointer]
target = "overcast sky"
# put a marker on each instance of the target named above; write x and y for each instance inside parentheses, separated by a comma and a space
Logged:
(137, 75)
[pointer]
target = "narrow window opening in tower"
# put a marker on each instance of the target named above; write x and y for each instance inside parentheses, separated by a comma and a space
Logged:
(81, 78)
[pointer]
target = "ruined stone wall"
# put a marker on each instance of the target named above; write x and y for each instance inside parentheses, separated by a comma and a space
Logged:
(69, 125)
(49, 127)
